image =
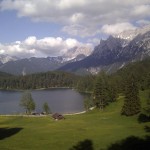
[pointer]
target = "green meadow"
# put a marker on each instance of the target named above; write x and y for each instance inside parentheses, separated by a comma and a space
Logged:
(94, 130)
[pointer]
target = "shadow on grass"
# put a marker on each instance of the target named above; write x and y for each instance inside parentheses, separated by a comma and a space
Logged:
(143, 118)
(83, 145)
(147, 128)
(8, 132)
(132, 143)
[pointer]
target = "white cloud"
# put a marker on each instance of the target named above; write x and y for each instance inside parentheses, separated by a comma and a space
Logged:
(95, 41)
(117, 28)
(81, 17)
(77, 17)
(29, 41)
(82, 31)
(2, 51)
(70, 43)
(69, 4)
(33, 47)
(141, 10)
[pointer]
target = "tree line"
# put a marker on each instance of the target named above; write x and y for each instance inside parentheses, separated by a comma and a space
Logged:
(40, 80)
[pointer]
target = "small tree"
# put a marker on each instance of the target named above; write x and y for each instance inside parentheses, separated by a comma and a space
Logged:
(46, 108)
(132, 101)
(27, 102)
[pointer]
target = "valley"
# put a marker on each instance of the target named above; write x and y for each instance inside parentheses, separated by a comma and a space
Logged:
(74, 75)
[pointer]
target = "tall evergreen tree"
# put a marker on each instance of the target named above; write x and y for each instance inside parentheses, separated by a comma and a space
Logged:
(146, 109)
(132, 101)
(101, 91)
(112, 93)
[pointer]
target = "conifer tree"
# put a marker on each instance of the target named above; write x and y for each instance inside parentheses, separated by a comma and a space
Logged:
(146, 109)
(132, 101)
(101, 92)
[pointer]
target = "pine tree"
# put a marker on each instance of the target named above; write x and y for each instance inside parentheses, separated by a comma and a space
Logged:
(101, 92)
(112, 93)
(146, 109)
(132, 101)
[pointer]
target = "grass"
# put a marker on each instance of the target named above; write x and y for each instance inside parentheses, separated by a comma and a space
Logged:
(95, 129)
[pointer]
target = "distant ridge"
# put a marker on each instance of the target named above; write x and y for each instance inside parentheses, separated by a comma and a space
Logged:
(34, 65)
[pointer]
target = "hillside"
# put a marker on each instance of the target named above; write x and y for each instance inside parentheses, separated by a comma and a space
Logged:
(141, 71)
(31, 65)
(3, 74)
(96, 129)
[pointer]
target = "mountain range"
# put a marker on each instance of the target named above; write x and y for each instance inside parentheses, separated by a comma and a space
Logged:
(17, 66)
(115, 52)
(109, 55)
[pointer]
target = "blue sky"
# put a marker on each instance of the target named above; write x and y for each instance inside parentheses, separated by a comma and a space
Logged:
(13, 28)
(51, 27)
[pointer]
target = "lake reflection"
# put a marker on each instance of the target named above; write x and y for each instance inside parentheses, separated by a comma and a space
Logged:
(59, 100)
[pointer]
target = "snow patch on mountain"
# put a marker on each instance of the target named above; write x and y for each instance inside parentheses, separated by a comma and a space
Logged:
(131, 34)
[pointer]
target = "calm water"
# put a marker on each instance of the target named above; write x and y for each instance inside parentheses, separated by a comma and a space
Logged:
(59, 100)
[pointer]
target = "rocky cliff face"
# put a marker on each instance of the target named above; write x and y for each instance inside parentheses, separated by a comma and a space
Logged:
(115, 52)
(77, 53)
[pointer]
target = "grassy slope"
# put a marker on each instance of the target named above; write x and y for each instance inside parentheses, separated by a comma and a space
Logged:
(43, 133)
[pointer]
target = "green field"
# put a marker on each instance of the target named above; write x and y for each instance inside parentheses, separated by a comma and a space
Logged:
(95, 130)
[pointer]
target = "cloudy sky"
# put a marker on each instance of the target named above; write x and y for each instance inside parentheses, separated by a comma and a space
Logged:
(50, 27)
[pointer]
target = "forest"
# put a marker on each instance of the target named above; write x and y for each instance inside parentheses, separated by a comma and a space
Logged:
(38, 81)
(116, 81)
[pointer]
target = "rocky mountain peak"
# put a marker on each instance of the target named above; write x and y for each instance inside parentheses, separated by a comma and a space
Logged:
(115, 52)
(75, 51)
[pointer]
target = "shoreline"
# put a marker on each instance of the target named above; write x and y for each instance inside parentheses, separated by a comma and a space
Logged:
(78, 113)
(39, 115)
(21, 115)
(20, 90)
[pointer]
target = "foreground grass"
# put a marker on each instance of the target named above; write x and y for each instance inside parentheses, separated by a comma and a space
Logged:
(96, 129)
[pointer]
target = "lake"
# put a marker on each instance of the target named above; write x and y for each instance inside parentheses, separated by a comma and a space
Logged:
(59, 100)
